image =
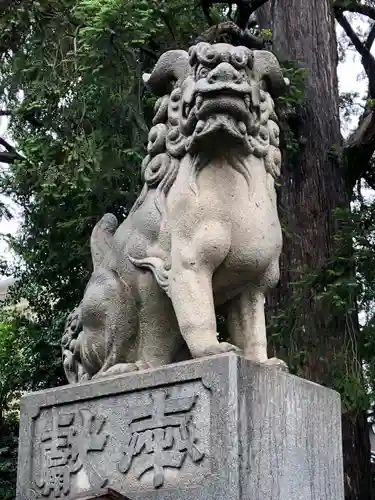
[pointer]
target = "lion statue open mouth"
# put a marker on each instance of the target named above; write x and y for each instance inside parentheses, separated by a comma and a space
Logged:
(204, 232)
(217, 105)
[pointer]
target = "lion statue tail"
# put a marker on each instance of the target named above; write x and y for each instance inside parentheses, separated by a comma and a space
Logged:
(74, 370)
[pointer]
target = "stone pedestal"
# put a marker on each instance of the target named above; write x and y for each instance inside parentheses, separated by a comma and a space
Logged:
(102, 494)
(219, 428)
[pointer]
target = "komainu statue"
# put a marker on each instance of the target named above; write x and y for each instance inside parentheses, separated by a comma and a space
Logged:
(204, 233)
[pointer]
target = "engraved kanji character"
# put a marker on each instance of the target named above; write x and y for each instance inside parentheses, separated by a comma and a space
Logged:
(162, 435)
(161, 456)
(161, 412)
(186, 439)
(65, 446)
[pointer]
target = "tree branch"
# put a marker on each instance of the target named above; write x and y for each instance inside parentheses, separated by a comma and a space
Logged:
(370, 181)
(6, 145)
(245, 8)
(10, 155)
(5, 4)
(251, 41)
(359, 149)
(353, 6)
(244, 37)
(368, 60)
(168, 24)
(150, 53)
(6, 157)
(361, 48)
(371, 38)
(256, 4)
(360, 146)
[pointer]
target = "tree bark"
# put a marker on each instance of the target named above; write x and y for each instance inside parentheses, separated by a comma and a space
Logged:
(313, 185)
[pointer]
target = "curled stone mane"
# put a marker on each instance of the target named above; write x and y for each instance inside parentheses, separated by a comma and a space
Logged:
(165, 148)
(266, 142)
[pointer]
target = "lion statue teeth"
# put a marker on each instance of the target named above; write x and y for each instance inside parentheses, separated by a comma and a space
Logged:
(204, 233)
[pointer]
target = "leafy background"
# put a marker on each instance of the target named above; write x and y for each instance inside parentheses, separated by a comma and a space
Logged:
(70, 82)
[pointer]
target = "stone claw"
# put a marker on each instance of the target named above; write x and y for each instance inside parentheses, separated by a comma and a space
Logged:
(117, 369)
(142, 365)
(220, 348)
(279, 364)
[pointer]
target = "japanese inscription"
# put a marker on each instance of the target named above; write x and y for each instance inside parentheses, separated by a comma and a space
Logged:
(162, 434)
(135, 441)
(65, 442)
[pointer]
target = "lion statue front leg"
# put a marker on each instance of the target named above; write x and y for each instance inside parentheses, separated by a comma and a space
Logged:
(199, 246)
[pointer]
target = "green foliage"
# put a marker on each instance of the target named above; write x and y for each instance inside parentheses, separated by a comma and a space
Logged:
(12, 356)
(297, 76)
(289, 107)
(29, 356)
(70, 77)
(347, 277)
(29, 360)
(8, 455)
(363, 227)
(266, 33)
(349, 106)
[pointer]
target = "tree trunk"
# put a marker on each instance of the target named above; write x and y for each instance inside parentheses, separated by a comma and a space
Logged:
(313, 185)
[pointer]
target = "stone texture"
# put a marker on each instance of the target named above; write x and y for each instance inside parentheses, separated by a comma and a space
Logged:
(217, 428)
(204, 232)
(101, 494)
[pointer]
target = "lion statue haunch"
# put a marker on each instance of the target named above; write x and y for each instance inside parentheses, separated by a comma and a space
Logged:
(204, 232)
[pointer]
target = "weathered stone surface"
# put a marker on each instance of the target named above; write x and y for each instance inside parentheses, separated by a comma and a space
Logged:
(219, 428)
(204, 232)
(101, 494)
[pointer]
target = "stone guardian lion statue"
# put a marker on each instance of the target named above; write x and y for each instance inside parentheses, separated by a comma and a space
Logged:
(204, 232)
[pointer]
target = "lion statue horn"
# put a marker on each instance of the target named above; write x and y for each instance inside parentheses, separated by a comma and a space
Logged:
(172, 66)
(268, 69)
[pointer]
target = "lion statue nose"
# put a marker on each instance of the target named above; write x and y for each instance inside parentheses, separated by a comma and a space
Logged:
(224, 73)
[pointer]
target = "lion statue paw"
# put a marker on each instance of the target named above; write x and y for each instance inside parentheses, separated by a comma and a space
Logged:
(279, 364)
(220, 348)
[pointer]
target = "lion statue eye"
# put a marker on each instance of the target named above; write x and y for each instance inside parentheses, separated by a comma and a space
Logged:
(239, 59)
(209, 57)
(202, 72)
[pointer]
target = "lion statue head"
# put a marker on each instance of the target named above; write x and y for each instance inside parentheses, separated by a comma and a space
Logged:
(216, 99)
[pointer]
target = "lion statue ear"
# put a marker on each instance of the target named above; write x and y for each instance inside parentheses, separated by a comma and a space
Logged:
(171, 67)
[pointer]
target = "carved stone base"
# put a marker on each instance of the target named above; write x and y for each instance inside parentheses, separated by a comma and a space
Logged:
(219, 428)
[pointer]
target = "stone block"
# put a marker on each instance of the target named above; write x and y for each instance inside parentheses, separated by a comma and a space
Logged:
(219, 428)
(101, 494)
